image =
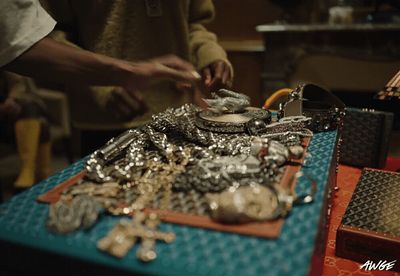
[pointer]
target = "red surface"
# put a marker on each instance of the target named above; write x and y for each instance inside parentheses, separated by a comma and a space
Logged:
(347, 181)
(392, 164)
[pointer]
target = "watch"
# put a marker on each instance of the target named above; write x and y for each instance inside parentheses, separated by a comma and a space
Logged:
(231, 122)
(256, 202)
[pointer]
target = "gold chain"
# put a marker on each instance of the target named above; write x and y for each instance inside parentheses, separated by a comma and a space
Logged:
(158, 176)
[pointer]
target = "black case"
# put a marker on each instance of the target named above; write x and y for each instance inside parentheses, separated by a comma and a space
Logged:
(370, 228)
(365, 137)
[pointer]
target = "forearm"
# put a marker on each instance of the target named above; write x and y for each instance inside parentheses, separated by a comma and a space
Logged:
(68, 64)
(57, 62)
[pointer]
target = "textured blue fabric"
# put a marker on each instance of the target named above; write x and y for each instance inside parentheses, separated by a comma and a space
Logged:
(195, 251)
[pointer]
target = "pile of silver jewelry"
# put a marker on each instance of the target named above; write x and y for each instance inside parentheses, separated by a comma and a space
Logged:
(217, 159)
(124, 171)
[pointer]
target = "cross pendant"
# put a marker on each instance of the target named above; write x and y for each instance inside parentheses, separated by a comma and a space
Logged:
(125, 234)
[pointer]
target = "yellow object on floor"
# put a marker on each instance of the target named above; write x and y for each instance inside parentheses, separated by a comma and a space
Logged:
(43, 168)
(27, 136)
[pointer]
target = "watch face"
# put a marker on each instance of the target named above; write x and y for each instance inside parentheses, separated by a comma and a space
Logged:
(261, 203)
(245, 204)
(231, 122)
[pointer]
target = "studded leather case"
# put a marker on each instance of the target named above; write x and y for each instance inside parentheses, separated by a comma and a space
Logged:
(370, 228)
(365, 137)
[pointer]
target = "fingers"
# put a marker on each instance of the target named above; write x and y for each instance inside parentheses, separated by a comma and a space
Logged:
(183, 86)
(161, 70)
(207, 76)
(174, 62)
(198, 99)
(220, 75)
(129, 103)
(165, 67)
(135, 95)
(173, 67)
(226, 77)
(118, 104)
(11, 107)
(135, 101)
(218, 69)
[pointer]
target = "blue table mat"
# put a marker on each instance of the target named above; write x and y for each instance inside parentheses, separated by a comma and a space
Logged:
(196, 251)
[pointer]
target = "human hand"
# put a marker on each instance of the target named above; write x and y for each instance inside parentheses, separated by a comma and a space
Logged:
(10, 108)
(126, 105)
(141, 74)
(198, 92)
(216, 76)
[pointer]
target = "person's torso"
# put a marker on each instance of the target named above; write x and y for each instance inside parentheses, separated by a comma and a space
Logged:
(133, 29)
(130, 30)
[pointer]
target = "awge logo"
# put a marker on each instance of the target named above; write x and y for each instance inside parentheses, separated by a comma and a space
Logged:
(381, 265)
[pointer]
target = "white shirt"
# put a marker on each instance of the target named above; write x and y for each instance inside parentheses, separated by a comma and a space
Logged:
(22, 24)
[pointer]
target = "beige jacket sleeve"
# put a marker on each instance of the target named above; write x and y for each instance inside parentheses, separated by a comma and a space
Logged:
(204, 47)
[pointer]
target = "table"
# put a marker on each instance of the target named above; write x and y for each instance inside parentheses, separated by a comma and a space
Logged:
(286, 45)
(26, 244)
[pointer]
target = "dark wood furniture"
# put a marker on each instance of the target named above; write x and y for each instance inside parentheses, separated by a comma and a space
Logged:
(286, 45)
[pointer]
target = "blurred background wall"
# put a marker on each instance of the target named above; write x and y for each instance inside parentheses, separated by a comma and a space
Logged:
(236, 22)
